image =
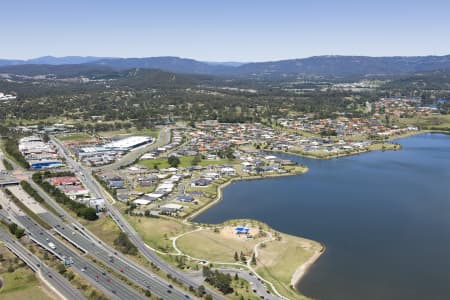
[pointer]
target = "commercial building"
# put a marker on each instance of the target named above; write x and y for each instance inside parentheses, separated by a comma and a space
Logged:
(129, 143)
(39, 154)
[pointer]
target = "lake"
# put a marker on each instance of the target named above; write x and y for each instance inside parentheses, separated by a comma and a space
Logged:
(384, 218)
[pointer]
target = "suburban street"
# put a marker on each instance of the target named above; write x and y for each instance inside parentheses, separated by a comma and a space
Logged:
(97, 190)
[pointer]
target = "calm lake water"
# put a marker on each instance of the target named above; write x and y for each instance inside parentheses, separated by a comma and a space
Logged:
(383, 216)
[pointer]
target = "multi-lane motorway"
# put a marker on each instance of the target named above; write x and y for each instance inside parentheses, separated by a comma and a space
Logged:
(61, 286)
(96, 189)
(97, 276)
(74, 232)
(87, 243)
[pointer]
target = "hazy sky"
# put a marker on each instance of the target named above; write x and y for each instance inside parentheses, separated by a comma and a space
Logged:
(226, 30)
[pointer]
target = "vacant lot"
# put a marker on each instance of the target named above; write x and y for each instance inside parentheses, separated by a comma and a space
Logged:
(75, 137)
(105, 228)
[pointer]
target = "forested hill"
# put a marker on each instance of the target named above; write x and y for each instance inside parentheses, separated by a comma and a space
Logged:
(332, 66)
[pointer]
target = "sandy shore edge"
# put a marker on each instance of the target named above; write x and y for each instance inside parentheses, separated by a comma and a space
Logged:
(302, 270)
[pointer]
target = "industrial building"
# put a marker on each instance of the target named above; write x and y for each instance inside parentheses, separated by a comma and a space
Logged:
(129, 143)
(39, 155)
(105, 154)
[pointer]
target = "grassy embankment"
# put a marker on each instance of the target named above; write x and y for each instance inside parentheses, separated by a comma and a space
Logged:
(18, 281)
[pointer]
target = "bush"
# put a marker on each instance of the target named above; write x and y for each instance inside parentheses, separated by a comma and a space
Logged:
(123, 243)
(16, 230)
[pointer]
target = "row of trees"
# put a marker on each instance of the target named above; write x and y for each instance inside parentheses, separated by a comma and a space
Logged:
(12, 149)
(32, 192)
(80, 209)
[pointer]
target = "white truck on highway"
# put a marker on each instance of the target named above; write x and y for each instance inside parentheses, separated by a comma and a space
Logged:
(51, 245)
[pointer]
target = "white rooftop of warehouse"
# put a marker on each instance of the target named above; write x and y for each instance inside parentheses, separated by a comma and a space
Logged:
(129, 142)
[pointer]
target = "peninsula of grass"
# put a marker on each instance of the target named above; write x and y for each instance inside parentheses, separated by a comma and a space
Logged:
(281, 259)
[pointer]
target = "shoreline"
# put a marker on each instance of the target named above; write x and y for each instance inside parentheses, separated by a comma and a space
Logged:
(303, 269)
(189, 218)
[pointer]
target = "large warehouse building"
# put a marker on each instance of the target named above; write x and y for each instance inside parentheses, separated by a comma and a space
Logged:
(129, 143)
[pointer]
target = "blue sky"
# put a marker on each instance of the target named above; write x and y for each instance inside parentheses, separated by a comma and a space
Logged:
(227, 30)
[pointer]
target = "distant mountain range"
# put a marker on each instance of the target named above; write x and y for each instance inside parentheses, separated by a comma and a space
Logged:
(337, 66)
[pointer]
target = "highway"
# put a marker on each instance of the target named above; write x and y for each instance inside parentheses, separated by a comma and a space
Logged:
(90, 182)
(78, 236)
(57, 281)
(98, 277)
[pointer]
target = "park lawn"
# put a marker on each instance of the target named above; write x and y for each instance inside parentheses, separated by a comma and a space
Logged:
(105, 228)
(185, 161)
(278, 261)
(156, 232)
(21, 284)
(78, 137)
(384, 146)
(215, 247)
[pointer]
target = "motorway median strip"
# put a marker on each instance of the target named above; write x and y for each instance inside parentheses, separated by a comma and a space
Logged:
(28, 211)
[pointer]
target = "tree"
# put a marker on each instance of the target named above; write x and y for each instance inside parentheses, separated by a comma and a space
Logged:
(253, 261)
(200, 290)
(196, 160)
(173, 161)
(236, 256)
(243, 259)
(61, 268)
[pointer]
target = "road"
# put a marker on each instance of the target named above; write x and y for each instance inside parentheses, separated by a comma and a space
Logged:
(77, 235)
(54, 279)
(90, 182)
(98, 277)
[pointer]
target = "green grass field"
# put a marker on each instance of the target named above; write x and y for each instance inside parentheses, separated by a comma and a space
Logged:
(76, 137)
(105, 228)
(278, 261)
(157, 231)
(185, 161)
(209, 245)
(21, 284)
